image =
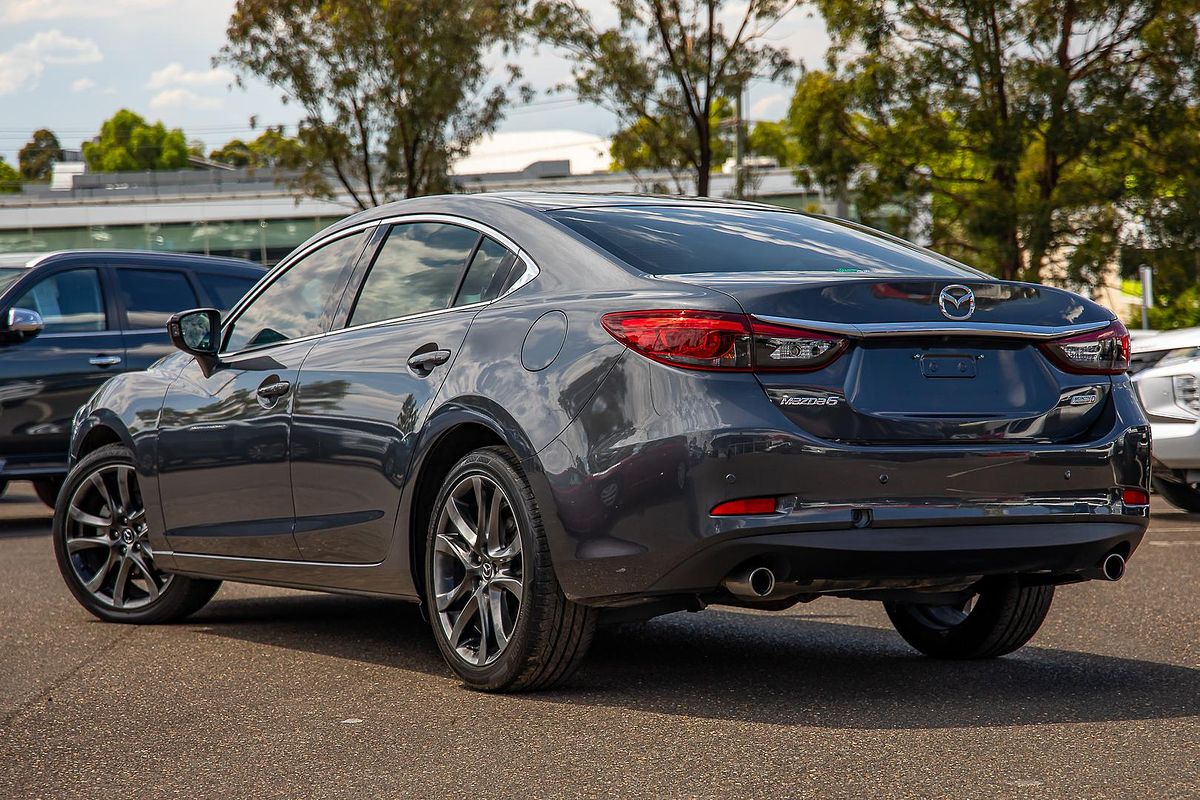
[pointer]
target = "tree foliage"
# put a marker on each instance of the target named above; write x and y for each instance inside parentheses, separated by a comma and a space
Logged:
(272, 149)
(660, 144)
(392, 91)
(10, 179)
(37, 157)
(663, 68)
(127, 143)
(1019, 119)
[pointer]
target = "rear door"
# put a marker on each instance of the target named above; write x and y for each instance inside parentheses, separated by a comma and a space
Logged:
(365, 391)
(225, 431)
(45, 379)
(147, 297)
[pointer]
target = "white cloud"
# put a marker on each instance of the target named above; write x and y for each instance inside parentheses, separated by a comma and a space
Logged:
(185, 98)
(175, 75)
(31, 10)
(82, 85)
(23, 64)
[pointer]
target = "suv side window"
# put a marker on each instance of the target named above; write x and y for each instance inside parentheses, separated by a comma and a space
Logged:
(417, 269)
(295, 303)
(69, 302)
(489, 273)
(151, 296)
(225, 290)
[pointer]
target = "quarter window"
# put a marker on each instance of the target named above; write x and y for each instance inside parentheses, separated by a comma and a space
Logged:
(489, 273)
(295, 304)
(68, 302)
(417, 269)
(152, 296)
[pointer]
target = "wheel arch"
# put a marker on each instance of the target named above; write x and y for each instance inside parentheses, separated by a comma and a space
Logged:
(454, 430)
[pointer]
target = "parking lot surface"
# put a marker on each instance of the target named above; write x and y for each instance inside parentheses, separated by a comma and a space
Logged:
(278, 693)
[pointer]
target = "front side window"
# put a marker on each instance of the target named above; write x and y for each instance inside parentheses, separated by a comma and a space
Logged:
(69, 302)
(152, 296)
(417, 270)
(295, 303)
(489, 275)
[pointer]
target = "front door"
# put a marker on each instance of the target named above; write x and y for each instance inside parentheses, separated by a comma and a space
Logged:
(45, 379)
(225, 430)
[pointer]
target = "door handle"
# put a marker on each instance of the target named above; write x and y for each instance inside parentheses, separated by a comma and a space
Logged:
(271, 391)
(423, 362)
(104, 361)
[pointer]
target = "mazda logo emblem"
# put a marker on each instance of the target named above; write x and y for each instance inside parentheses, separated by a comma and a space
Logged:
(957, 302)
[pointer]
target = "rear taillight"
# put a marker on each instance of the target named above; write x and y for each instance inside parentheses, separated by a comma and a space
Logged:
(1102, 352)
(713, 340)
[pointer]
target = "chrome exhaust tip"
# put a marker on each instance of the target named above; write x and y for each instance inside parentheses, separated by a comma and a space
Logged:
(1113, 567)
(754, 583)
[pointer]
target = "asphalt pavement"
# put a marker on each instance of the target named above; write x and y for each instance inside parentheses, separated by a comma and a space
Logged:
(272, 693)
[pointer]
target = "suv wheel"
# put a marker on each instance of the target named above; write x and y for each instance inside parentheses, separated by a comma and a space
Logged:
(1183, 496)
(1002, 617)
(497, 611)
(104, 553)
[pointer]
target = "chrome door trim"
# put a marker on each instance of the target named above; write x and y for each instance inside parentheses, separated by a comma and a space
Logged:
(934, 328)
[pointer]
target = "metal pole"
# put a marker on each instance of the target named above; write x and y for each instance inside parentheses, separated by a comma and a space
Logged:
(1147, 276)
(739, 147)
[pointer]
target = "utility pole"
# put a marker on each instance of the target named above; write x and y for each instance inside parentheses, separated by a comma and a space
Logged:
(1147, 276)
(739, 146)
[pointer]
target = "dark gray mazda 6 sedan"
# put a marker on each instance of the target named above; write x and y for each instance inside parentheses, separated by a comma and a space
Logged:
(532, 413)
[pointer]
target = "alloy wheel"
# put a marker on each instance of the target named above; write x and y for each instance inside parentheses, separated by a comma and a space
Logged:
(107, 540)
(478, 575)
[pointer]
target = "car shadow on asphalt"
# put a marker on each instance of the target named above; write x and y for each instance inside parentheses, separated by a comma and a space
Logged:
(776, 669)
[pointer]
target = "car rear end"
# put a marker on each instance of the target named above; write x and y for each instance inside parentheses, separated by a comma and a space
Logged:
(873, 422)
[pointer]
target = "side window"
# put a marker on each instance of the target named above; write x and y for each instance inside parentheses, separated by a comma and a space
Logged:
(224, 290)
(151, 296)
(68, 302)
(295, 302)
(488, 274)
(417, 269)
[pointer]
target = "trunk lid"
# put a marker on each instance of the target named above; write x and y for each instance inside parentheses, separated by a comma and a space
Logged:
(915, 374)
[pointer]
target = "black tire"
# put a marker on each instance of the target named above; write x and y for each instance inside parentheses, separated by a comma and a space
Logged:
(550, 634)
(1004, 617)
(3, 487)
(178, 596)
(47, 490)
(1181, 495)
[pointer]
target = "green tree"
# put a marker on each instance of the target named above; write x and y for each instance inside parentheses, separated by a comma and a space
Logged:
(127, 142)
(664, 66)
(1009, 115)
(392, 91)
(272, 149)
(10, 179)
(652, 145)
(37, 157)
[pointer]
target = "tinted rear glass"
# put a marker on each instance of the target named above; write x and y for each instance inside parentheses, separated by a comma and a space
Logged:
(670, 240)
(224, 290)
(152, 296)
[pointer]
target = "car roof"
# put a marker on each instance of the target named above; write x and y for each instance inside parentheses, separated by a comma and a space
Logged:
(135, 258)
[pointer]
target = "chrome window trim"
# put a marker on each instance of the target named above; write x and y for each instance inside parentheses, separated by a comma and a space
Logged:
(531, 271)
(990, 329)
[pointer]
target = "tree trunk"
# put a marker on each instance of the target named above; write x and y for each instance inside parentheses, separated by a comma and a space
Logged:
(704, 160)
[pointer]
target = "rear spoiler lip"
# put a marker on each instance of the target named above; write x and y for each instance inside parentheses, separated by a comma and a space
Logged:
(1000, 330)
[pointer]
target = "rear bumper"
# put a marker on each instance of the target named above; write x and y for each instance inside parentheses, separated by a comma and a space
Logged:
(626, 491)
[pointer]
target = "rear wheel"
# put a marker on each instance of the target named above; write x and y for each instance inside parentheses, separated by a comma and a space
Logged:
(999, 619)
(1183, 496)
(3, 487)
(104, 552)
(498, 614)
(47, 490)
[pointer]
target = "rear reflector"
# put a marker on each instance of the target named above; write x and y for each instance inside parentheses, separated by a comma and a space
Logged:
(745, 507)
(711, 340)
(1135, 497)
(1102, 352)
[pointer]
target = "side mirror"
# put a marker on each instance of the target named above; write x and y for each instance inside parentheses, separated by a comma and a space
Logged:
(197, 332)
(20, 325)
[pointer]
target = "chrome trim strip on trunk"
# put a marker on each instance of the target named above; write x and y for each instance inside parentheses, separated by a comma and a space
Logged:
(934, 328)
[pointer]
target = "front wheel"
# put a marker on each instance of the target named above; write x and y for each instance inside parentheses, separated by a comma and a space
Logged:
(103, 549)
(999, 619)
(498, 614)
(47, 490)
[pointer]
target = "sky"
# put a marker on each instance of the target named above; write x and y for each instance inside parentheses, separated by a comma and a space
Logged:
(68, 65)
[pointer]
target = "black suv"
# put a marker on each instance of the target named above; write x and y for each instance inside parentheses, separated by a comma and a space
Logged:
(69, 321)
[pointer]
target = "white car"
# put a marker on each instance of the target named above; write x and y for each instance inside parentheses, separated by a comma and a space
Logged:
(1166, 371)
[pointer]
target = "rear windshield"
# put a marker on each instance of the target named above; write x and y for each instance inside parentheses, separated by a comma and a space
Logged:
(670, 240)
